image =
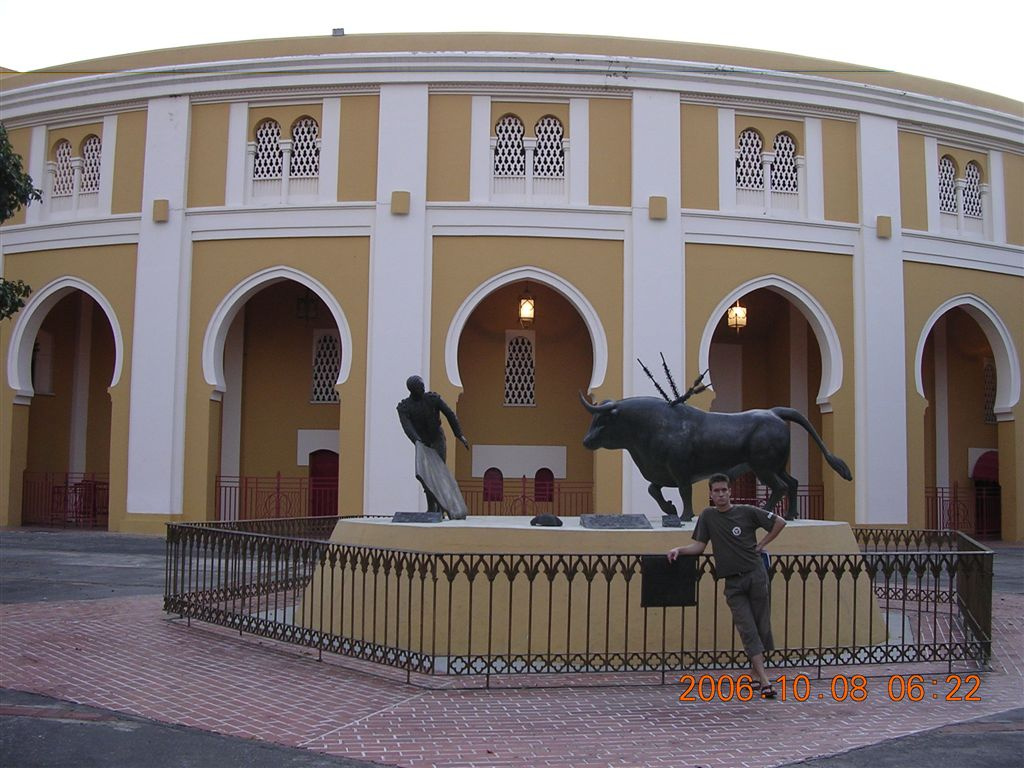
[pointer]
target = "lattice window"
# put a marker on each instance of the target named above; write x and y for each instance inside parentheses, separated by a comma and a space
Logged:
(749, 174)
(91, 151)
(326, 364)
(494, 485)
(784, 175)
(549, 156)
(509, 154)
(64, 175)
(519, 368)
(989, 390)
(269, 157)
(972, 191)
(947, 185)
(544, 485)
(305, 163)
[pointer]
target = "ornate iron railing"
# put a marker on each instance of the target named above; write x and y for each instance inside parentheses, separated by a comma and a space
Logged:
(254, 498)
(65, 498)
(907, 596)
(523, 497)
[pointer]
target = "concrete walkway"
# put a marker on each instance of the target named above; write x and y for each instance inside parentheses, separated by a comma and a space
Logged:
(93, 673)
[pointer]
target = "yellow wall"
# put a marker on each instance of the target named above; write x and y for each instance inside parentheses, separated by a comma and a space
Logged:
(21, 143)
(1013, 187)
(611, 163)
(357, 164)
(961, 157)
(593, 266)
(208, 155)
(530, 113)
(285, 115)
(839, 150)
(76, 134)
(714, 271)
(769, 128)
(913, 193)
(129, 160)
(448, 142)
(699, 153)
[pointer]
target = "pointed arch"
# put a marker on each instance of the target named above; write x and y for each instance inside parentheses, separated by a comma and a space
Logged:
(234, 300)
(30, 319)
(598, 338)
(1008, 377)
(816, 316)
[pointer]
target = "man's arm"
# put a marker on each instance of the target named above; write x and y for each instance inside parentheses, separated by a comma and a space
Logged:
(407, 427)
(453, 421)
(693, 548)
(775, 531)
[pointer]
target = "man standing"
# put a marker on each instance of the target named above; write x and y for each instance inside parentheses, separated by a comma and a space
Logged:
(420, 415)
(732, 533)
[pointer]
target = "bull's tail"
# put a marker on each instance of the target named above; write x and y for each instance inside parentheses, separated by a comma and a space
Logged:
(789, 414)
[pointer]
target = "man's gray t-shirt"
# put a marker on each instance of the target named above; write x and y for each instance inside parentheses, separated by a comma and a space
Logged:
(733, 536)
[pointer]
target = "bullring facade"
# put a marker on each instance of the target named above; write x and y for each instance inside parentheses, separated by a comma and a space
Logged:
(244, 249)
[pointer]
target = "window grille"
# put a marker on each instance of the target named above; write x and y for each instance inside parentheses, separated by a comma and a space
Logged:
(326, 365)
(268, 160)
(972, 191)
(509, 154)
(64, 174)
(305, 162)
(519, 369)
(784, 175)
(91, 151)
(989, 390)
(749, 174)
(544, 485)
(549, 156)
(494, 485)
(947, 185)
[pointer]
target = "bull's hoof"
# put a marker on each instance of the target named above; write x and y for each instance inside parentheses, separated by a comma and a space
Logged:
(671, 521)
(687, 517)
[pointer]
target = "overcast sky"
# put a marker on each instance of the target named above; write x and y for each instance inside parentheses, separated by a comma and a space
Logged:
(970, 43)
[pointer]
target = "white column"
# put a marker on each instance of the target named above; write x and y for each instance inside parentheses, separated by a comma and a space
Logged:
(76, 188)
(399, 311)
(237, 178)
(79, 429)
(579, 159)
(163, 271)
(654, 267)
(330, 142)
(995, 214)
(798, 452)
(286, 167)
(959, 185)
(879, 346)
(726, 159)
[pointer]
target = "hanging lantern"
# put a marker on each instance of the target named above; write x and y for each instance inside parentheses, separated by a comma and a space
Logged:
(526, 308)
(737, 317)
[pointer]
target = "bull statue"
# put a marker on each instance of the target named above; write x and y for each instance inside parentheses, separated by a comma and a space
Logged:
(675, 445)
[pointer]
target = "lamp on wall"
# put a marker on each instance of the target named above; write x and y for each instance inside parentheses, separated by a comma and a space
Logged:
(737, 316)
(527, 305)
(306, 307)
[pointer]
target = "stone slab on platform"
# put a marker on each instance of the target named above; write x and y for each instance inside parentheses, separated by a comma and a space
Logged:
(418, 517)
(615, 522)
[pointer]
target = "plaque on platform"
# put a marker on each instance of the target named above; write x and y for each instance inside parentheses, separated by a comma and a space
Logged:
(615, 522)
(418, 517)
(671, 521)
(664, 584)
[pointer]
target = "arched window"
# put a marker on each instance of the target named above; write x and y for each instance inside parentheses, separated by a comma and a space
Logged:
(549, 156)
(947, 185)
(268, 158)
(305, 162)
(64, 174)
(544, 485)
(749, 173)
(91, 150)
(494, 485)
(972, 191)
(519, 369)
(784, 175)
(509, 154)
(326, 364)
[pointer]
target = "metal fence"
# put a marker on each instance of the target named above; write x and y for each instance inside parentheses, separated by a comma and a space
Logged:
(253, 498)
(79, 499)
(907, 596)
(523, 497)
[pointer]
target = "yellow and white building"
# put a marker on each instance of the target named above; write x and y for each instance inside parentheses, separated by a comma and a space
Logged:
(244, 249)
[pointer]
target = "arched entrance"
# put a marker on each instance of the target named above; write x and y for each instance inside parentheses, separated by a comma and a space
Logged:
(520, 403)
(784, 352)
(66, 356)
(275, 349)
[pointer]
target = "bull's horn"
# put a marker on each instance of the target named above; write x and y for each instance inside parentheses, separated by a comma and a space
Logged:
(602, 408)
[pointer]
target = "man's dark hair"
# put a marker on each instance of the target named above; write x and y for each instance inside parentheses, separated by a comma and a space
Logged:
(718, 477)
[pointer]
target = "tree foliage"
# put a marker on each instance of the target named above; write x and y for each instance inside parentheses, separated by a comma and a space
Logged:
(16, 190)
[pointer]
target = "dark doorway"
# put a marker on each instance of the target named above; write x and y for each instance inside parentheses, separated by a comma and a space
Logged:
(323, 483)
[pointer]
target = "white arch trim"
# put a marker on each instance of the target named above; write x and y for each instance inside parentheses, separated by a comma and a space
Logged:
(224, 315)
(812, 310)
(999, 339)
(598, 339)
(30, 319)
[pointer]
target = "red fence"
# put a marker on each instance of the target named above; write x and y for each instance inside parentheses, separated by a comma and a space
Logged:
(255, 498)
(65, 498)
(520, 497)
(810, 501)
(976, 512)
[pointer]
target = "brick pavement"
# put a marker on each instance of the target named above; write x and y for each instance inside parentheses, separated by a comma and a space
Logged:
(124, 654)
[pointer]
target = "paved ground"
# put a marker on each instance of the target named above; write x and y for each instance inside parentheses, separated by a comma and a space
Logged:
(94, 674)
